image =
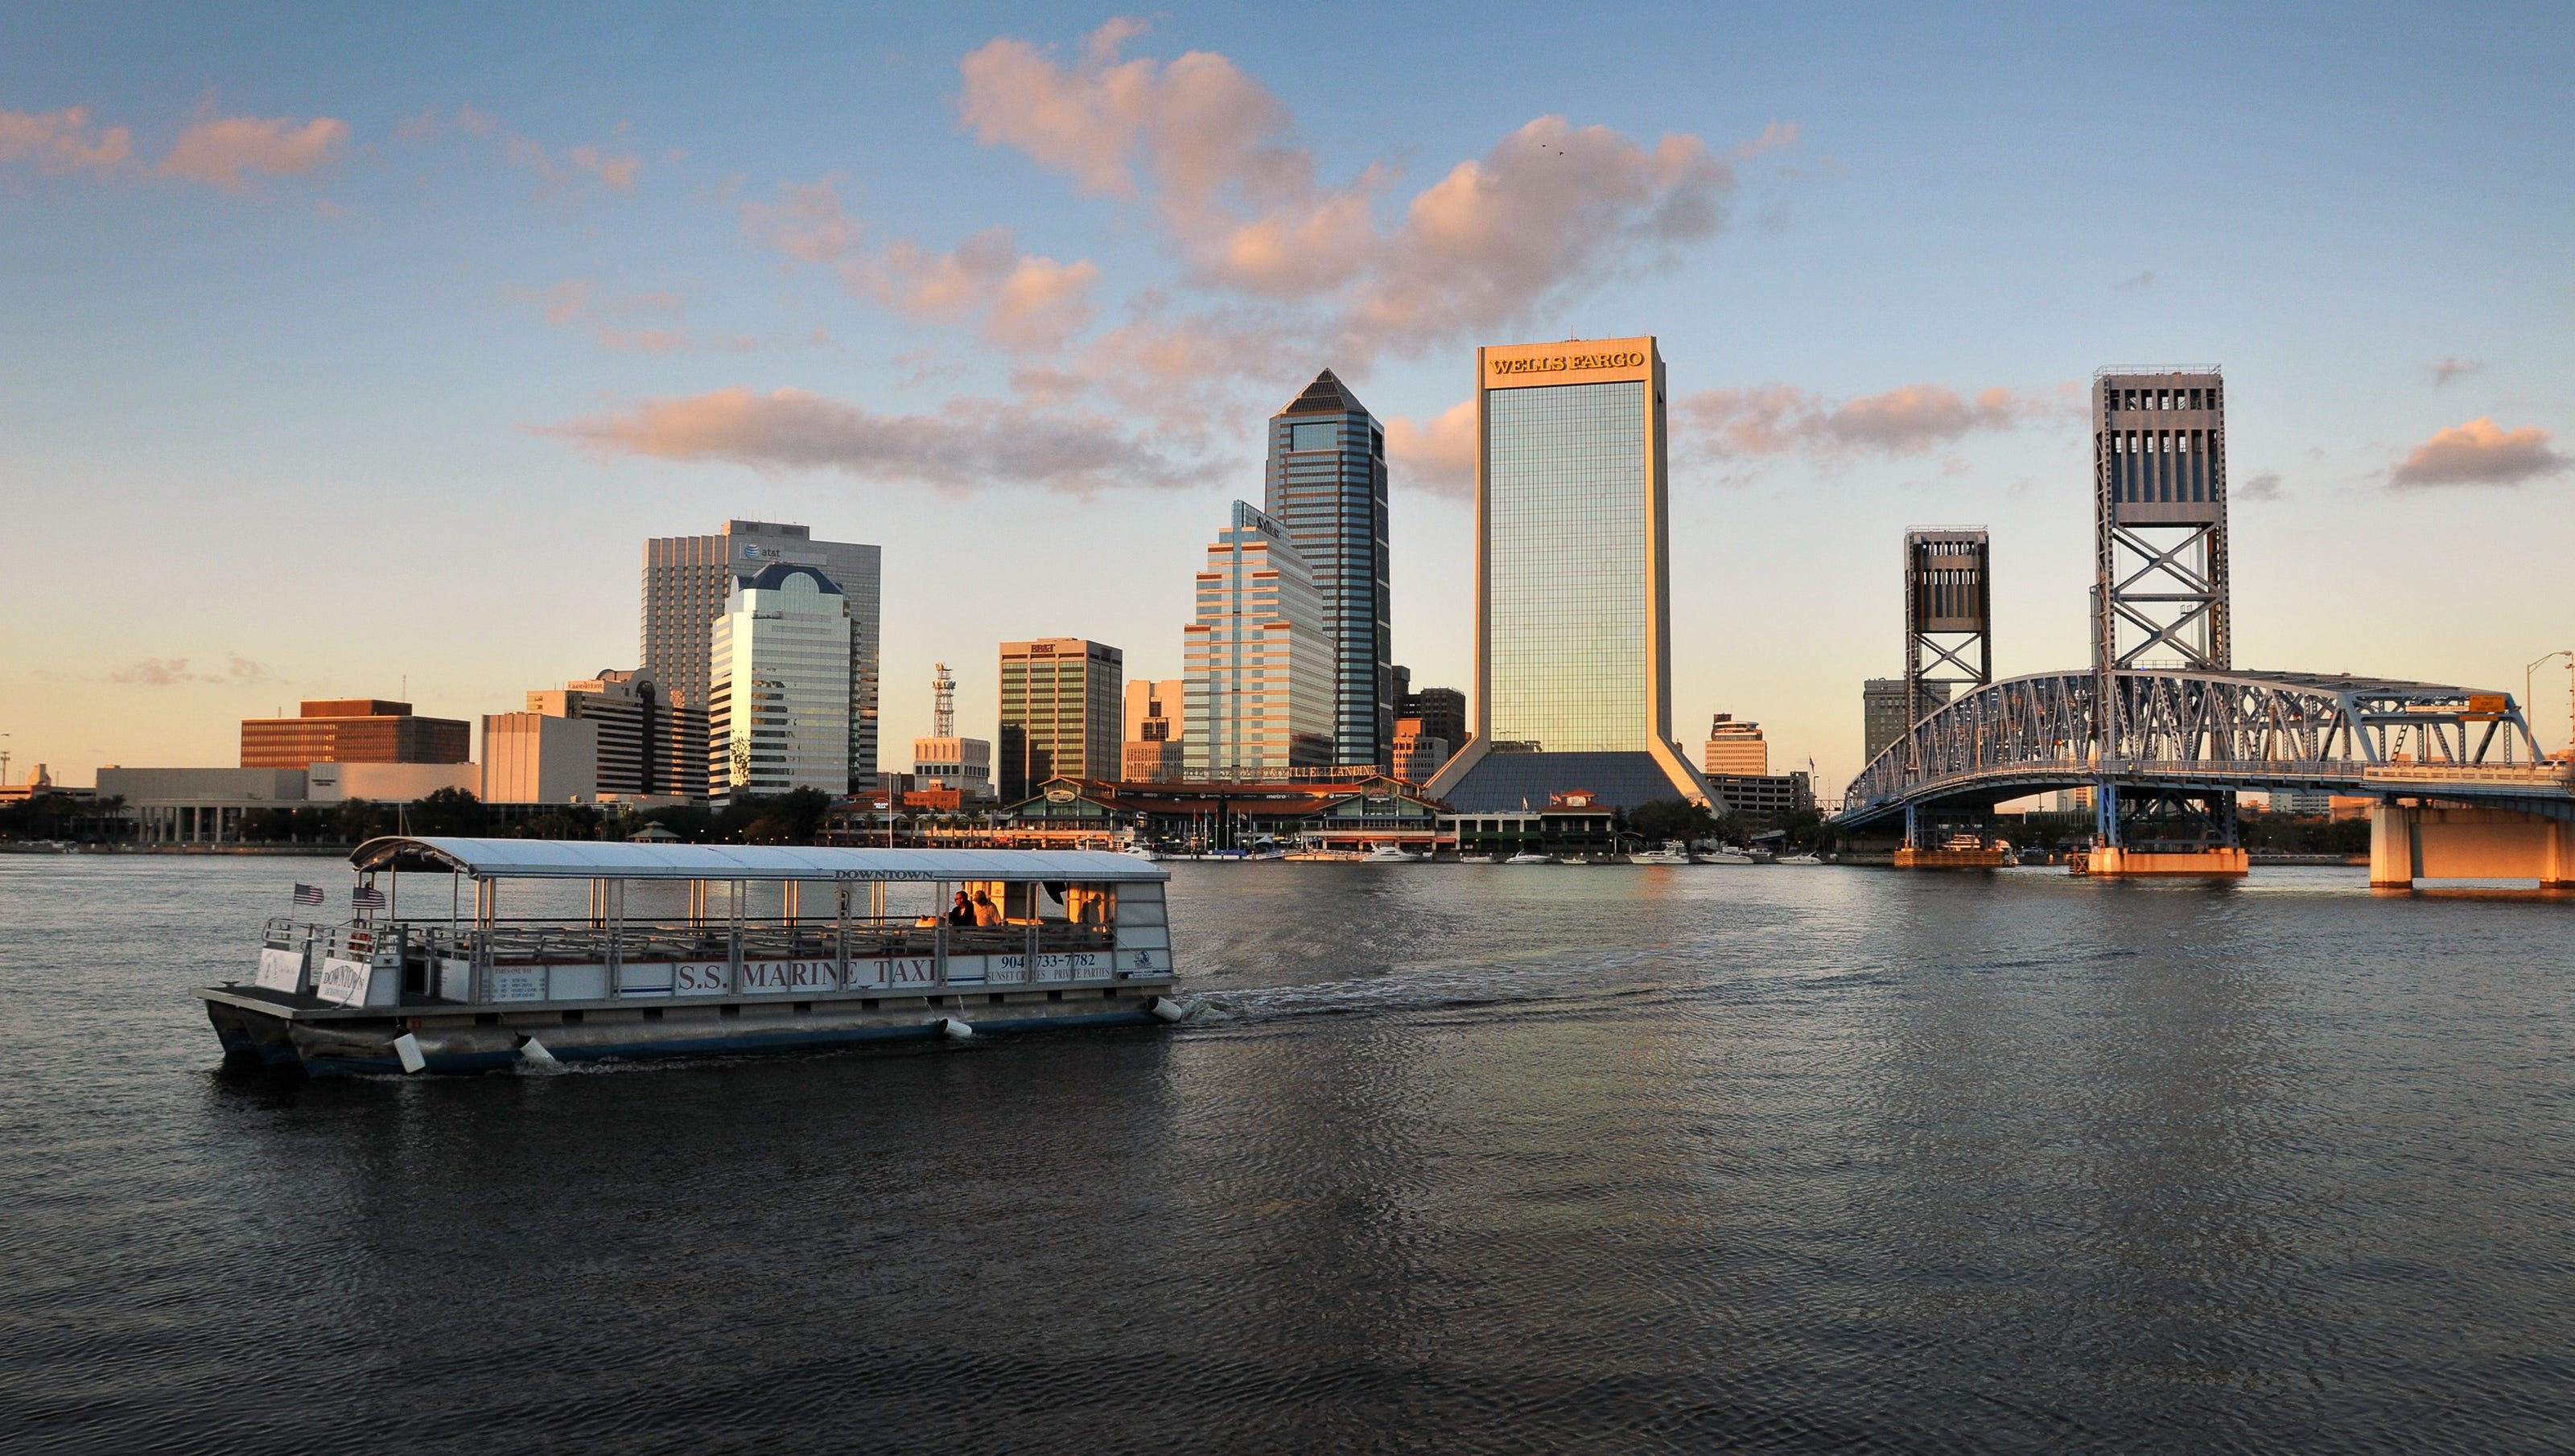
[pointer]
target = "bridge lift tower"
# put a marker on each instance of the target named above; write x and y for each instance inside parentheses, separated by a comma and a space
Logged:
(1948, 621)
(2160, 596)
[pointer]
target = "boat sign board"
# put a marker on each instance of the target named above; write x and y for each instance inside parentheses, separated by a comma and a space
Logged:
(354, 983)
(281, 970)
(779, 977)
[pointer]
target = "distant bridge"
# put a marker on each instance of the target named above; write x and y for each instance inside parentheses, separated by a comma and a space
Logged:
(2462, 789)
(2201, 733)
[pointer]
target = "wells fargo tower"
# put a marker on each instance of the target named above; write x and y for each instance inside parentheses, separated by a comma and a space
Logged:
(1572, 582)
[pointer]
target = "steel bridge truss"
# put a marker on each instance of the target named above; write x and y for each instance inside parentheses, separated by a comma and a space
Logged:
(2203, 735)
(2168, 586)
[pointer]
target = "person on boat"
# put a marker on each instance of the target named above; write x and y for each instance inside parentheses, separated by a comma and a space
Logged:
(986, 912)
(962, 912)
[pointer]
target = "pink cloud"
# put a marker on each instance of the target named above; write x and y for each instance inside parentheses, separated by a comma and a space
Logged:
(218, 151)
(971, 444)
(1438, 454)
(1908, 420)
(806, 222)
(1547, 213)
(61, 141)
(2480, 452)
(617, 172)
(153, 672)
(1026, 303)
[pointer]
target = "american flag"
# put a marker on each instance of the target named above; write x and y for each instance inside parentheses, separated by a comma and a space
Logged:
(366, 898)
(308, 895)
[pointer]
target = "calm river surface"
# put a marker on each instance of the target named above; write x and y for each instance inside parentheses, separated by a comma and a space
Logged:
(1472, 1158)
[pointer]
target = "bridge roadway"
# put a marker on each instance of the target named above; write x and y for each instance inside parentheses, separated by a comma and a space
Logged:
(2197, 733)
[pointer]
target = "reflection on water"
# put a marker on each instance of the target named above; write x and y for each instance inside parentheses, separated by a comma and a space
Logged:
(1454, 1158)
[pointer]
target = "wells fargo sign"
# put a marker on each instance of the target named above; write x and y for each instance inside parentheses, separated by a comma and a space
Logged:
(1560, 362)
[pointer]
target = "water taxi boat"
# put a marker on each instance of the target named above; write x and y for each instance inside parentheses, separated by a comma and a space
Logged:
(690, 949)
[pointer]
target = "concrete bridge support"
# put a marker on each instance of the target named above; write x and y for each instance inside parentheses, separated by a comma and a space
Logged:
(2408, 842)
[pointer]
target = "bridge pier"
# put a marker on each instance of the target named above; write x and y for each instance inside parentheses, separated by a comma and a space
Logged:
(2408, 842)
(2120, 862)
(2112, 857)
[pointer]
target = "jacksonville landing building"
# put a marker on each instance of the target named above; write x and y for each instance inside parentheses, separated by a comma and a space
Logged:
(1572, 583)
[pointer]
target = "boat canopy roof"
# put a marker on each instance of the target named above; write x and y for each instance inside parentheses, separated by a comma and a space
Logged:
(587, 859)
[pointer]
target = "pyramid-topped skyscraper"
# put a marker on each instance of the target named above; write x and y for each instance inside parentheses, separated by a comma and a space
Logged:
(1325, 483)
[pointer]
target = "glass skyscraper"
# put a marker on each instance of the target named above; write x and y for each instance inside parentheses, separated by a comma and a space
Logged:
(1573, 595)
(687, 581)
(1325, 483)
(777, 698)
(1256, 664)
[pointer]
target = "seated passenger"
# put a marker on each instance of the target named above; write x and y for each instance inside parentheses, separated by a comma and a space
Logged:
(986, 912)
(962, 912)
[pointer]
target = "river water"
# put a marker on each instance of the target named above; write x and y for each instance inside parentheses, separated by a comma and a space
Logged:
(1456, 1159)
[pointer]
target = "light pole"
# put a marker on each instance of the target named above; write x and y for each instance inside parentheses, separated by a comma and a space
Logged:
(2567, 652)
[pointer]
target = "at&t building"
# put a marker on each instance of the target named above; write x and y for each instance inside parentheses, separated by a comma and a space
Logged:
(1572, 583)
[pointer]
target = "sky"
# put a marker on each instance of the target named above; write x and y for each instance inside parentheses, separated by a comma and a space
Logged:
(348, 353)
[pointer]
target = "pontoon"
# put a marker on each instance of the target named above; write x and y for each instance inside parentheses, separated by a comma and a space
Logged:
(689, 950)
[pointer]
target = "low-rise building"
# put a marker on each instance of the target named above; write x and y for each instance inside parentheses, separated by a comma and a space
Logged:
(1762, 795)
(198, 806)
(388, 783)
(959, 766)
(536, 757)
(353, 730)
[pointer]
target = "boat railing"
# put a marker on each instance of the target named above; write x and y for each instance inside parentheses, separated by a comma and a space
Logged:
(630, 943)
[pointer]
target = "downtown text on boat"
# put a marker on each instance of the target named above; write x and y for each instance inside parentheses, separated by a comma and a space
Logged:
(690, 949)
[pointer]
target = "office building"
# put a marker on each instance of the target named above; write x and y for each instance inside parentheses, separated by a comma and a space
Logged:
(2287, 801)
(1883, 719)
(353, 730)
(1156, 724)
(1572, 582)
(1443, 712)
(1735, 748)
(1060, 712)
(688, 579)
(1257, 662)
(636, 750)
(1417, 751)
(540, 757)
(1325, 483)
(778, 697)
(1761, 796)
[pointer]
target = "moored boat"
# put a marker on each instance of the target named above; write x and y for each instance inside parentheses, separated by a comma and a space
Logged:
(834, 956)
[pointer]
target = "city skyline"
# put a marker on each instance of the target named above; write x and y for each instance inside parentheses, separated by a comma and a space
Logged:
(214, 251)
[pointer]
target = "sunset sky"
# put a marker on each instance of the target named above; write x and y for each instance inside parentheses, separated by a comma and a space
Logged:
(354, 355)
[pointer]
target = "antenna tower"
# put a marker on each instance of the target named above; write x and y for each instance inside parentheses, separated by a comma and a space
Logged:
(943, 711)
